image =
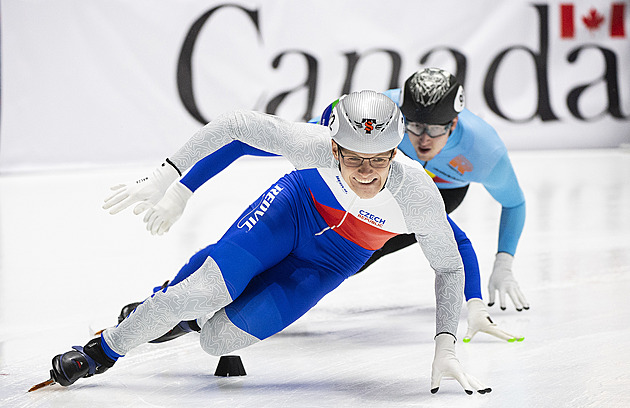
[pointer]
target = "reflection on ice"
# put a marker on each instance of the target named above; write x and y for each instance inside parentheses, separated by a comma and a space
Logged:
(67, 267)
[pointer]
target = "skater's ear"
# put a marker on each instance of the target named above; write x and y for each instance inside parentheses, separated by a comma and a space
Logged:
(335, 150)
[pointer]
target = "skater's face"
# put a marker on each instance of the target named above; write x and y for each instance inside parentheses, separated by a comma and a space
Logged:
(429, 140)
(366, 174)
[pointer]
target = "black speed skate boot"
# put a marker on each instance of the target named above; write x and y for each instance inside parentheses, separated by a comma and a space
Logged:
(81, 362)
(126, 311)
(182, 328)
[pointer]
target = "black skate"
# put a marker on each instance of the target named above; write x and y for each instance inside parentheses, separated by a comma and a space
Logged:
(80, 362)
(182, 328)
(126, 311)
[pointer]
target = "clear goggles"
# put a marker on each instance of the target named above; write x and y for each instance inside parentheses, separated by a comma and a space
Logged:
(417, 129)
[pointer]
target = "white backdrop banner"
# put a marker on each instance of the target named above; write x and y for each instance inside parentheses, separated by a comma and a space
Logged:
(101, 83)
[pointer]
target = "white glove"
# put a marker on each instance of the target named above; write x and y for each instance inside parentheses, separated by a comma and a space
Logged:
(160, 217)
(479, 321)
(503, 280)
(446, 364)
(148, 190)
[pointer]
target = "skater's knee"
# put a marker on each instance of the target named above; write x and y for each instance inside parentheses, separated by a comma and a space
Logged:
(219, 336)
(218, 347)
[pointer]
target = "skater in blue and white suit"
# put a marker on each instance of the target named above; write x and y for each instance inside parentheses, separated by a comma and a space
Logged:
(455, 147)
(302, 238)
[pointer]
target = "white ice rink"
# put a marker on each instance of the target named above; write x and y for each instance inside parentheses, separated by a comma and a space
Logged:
(67, 267)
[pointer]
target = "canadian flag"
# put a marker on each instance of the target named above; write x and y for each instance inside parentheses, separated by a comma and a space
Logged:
(593, 20)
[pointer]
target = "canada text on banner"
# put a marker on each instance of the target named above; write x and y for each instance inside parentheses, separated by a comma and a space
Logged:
(94, 83)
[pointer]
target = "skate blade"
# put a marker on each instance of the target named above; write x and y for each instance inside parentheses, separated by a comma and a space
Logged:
(42, 385)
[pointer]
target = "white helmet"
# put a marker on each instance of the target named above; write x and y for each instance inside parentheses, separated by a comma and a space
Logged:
(365, 122)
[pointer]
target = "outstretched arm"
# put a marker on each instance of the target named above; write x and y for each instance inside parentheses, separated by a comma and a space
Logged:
(216, 162)
(439, 247)
(478, 317)
(161, 216)
(503, 186)
(149, 190)
(302, 144)
(472, 281)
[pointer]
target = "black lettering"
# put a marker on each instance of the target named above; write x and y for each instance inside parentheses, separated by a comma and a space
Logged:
(543, 109)
(609, 77)
(353, 60)
(184, 63)
(310, 84)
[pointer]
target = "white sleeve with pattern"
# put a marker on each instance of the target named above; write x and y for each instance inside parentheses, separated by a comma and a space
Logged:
(303, 144)
(423, 209)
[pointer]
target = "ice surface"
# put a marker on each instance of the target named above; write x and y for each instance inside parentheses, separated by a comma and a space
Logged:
(67, 267)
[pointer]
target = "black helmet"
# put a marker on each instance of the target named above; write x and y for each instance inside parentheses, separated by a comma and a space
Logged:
(432, 96)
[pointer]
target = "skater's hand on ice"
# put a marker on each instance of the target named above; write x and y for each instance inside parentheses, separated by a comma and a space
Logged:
(446, 364)
(163, 215)
(502, 280)
(479, 321)
(147, 191)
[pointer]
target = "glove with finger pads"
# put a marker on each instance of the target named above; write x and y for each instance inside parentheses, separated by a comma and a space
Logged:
(446, 364)
(503, 281)
(479, 321)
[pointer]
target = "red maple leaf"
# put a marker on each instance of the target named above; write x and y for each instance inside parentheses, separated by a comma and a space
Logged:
(593, 20)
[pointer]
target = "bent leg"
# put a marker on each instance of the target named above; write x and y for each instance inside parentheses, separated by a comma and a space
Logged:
(201, 293)
(273, 300)
(219, 336)
(392, 245)
(453, 197)
(226, 269)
